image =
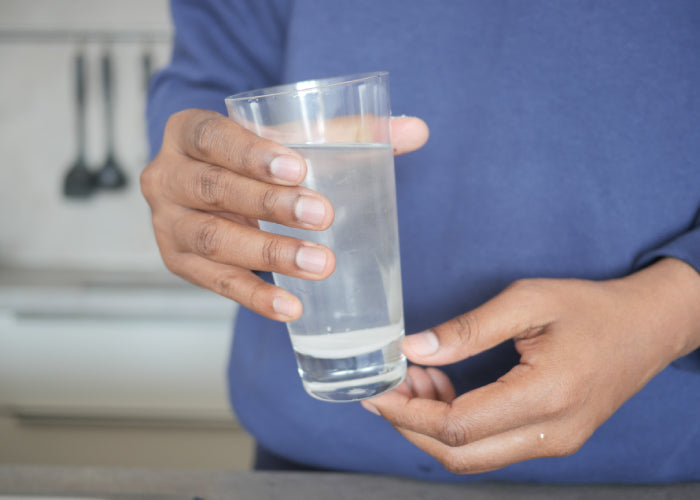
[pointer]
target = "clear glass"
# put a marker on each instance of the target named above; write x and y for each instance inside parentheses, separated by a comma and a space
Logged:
(348, 339)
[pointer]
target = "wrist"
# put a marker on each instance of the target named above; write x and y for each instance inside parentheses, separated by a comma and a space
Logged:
(669, 291)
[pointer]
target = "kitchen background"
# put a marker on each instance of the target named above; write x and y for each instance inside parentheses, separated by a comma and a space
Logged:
(105, 358)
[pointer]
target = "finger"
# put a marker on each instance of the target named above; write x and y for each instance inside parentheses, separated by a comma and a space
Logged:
(420, 382)
(519, 310)
(211, 188)
(429, 383)
(487, 411)
(239, 285)
(524, 443)
(220, 240)
(408, 134)
(212, 138)
(443, 386)
(404, 388)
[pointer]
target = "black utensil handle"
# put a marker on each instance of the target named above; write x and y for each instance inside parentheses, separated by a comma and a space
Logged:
(80, 91)
(108, 100)
(146, 67)
(80, 79)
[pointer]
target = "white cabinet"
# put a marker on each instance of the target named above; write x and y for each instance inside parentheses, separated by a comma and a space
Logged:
(142, 345)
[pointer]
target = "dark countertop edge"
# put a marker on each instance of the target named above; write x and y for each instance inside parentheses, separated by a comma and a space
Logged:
(109, 482)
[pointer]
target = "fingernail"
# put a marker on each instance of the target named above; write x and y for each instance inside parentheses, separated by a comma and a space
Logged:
(423, 344)
(311, 259)
(309, 210)
(286, 168)
(370, 407)
(283, 306)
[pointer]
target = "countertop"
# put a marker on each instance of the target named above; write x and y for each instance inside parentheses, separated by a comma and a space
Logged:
(36, 293)
(126, 484)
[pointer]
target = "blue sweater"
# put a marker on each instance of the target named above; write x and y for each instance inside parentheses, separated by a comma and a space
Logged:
(565, 142)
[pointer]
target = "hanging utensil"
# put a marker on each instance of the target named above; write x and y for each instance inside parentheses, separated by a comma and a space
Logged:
(111, 175)
(146, 66)
(79, 181)
(147, 63)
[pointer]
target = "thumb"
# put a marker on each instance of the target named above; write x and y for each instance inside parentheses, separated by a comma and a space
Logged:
(515, 311)
(408, 134)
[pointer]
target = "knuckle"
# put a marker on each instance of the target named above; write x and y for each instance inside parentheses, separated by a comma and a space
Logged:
(454, 432)
(559, 399)
(210, 185)
(259, 297)
(174, 125)
(269, 202)
(568, 446)
(568, 449)
(171, 263)
(455, 462)
(175, 262)
(226, 284)
(539, 301)
(249, 152)
(173, 122)
(523, 286)
(208, 241)
(464, 329)
(148, 180)
(552, 404)
(531, 289)
(207, 135)
(554, 407)
(272, 252)
(163, 231)
(237, 287)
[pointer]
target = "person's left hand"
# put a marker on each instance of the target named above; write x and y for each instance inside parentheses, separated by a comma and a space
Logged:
(586, 347)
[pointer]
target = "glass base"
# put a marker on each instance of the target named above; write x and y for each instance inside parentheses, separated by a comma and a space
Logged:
(361, 386)
(355, 377)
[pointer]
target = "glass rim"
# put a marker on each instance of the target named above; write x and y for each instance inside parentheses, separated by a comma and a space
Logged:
(304, 86)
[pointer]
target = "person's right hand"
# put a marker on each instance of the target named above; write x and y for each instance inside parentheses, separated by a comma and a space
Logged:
(209, 185)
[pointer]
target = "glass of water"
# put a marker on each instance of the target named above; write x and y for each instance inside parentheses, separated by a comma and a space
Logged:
(348, 339)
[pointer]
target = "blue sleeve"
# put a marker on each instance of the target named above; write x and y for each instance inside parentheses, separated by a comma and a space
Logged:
(220, 47)
(685, 247)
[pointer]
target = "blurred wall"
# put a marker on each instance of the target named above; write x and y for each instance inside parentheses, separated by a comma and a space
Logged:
(39, 227)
